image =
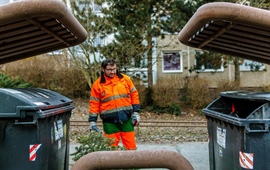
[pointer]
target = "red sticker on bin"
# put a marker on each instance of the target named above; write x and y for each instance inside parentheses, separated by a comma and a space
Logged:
(33, 151)
(246, 160)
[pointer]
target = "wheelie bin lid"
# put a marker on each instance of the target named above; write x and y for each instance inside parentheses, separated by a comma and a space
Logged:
(246, 95)
(229, 28)
(36, 102)
(34, 27)
(242, 108)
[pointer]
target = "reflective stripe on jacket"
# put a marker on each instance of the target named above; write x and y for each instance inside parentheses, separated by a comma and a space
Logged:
(115, 100)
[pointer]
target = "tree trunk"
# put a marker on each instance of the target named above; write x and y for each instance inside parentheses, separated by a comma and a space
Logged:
(150, 67)
(149, 53)
(237, 71)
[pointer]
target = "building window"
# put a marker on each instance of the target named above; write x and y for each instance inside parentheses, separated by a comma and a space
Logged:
(172, 62)
(4, 2)
(208, 67)
(208, 62)
(98, 41)
(56, 52)
(97, 8)
(248, 65)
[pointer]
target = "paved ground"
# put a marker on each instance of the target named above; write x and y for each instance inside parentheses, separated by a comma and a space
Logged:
(195, 152)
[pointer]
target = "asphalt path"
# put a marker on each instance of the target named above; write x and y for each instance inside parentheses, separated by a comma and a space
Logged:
(197, 153)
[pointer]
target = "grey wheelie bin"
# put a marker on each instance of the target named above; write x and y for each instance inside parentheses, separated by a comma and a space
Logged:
(238, 127)
(34, 126)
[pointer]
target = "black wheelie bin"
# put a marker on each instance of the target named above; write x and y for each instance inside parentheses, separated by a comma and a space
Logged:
(34, 129)
(238, 129)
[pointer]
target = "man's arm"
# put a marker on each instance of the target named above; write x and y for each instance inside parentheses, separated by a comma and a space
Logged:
(94, 108)
(135, 101)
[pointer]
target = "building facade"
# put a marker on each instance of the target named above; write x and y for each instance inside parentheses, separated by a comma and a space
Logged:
(176, 59)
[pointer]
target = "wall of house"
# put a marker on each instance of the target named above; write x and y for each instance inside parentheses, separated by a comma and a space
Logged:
(170, 45)
(255, 79)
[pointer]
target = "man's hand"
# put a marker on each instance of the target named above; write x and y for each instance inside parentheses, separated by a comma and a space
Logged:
(135, 118)
(93, 127)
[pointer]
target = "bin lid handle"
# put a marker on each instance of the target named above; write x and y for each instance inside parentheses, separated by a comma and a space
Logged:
(26, 123)
(249, 130)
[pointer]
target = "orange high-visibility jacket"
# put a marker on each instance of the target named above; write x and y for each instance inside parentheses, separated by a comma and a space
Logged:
(114, 100)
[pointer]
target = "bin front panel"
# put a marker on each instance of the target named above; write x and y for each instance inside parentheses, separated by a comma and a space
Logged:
(238, 129)
(41, 146)
(232, 148)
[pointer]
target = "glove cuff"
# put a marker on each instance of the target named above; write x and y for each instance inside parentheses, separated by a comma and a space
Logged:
(136, 114)
(92, 124)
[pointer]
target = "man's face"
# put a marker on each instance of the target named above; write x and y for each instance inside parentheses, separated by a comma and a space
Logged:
(110, 71)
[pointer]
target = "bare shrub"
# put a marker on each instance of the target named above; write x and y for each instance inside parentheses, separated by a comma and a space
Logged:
(226, 85)
(265, 88)
(196, 93)
(142, 91)
(46, 72)
(166, 91)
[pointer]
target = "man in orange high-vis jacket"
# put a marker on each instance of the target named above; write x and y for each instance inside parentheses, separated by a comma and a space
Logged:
(116, 100)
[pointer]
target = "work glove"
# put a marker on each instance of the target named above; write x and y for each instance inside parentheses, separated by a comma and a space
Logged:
(135, 118)
(93, 127)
